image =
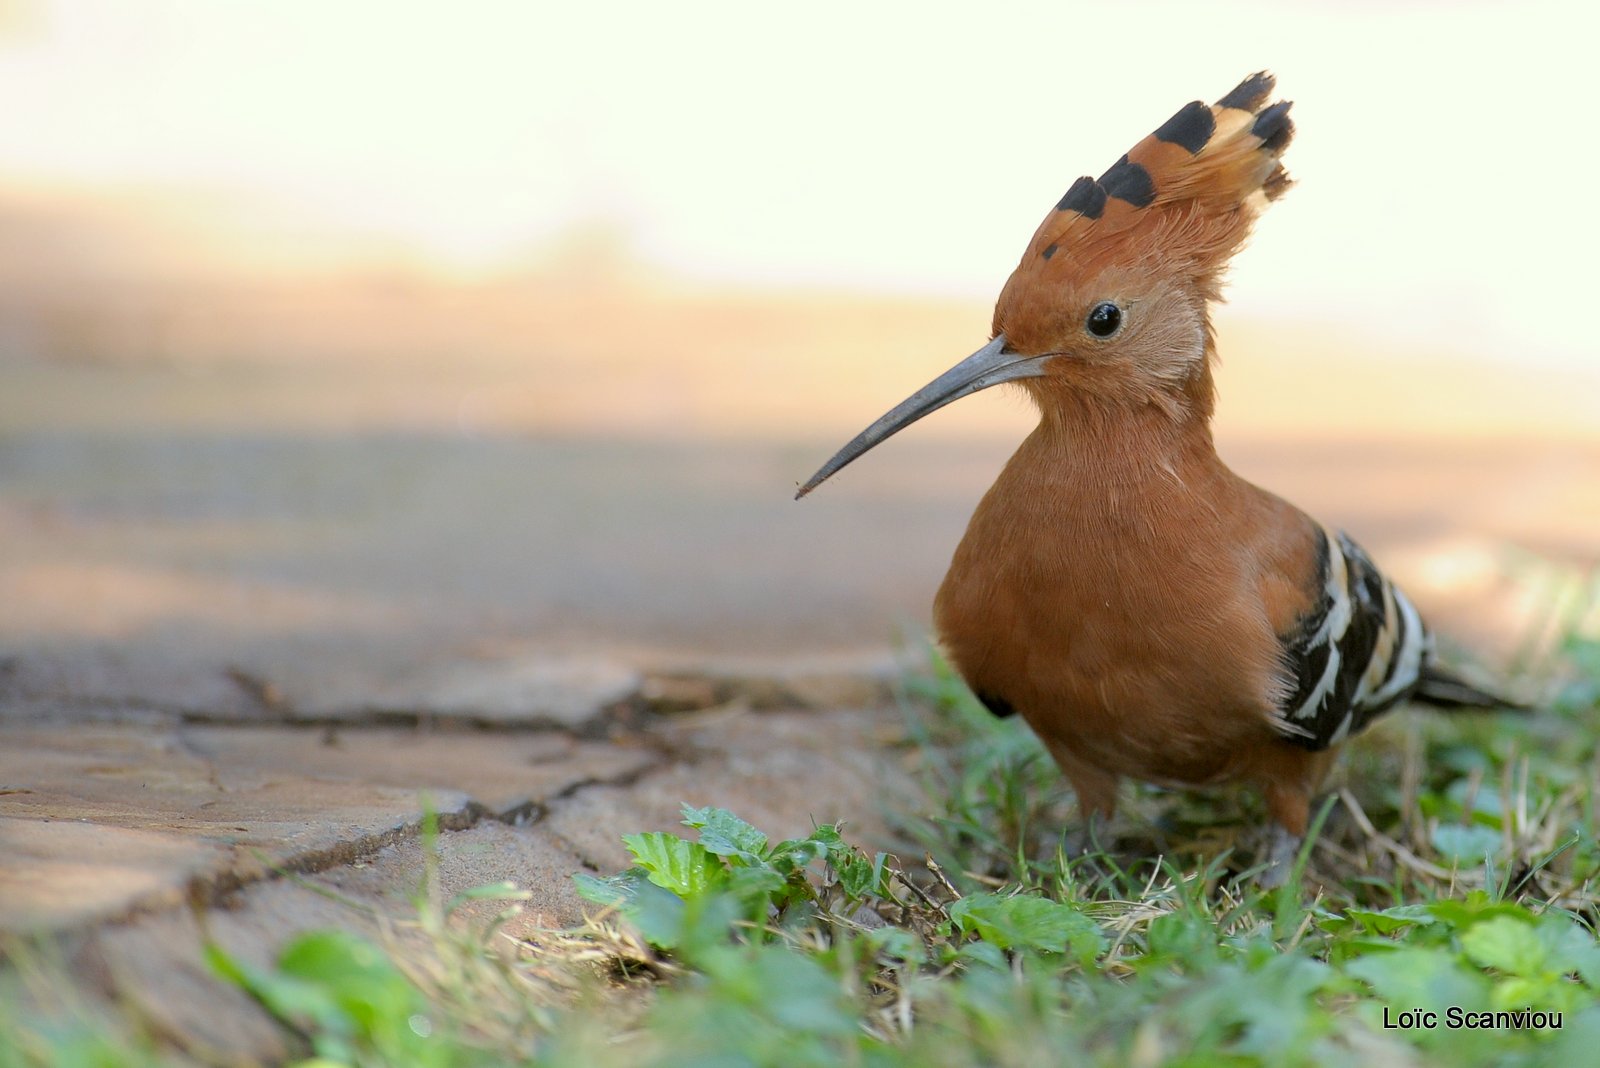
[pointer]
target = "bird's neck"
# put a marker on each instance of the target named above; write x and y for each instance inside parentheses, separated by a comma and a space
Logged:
(1117, 484)
(1084, 440)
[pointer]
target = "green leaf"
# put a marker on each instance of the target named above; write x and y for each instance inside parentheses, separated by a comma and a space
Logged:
(611, 890)
(365, 982)
(1466, 844)
(824, 843)
(343, 991)
(685, 868)
(1485, 799)
(1354, 946)
(1422, 976)
(805, 997)
(756, 884)
(658, 914)
(1184, 937)
(984, 953)
(1547, 949)
(291, 1000)
(1508, 945)
(859, 876)
(1265, 1010)
(334, 957)
(896, 944)
(1026, 922)
(1476, 907)
(795, 853)
(1573, 949)
(1579, 1038)
(753, 1005)
(1391, 920)
(725, 834)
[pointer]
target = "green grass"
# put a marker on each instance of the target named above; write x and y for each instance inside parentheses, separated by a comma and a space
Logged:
(1455, 865)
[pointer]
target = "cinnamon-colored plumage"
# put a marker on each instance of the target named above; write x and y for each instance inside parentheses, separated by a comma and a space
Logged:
(1148, 612)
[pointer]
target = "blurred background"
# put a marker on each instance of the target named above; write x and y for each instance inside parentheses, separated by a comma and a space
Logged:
(342, 339)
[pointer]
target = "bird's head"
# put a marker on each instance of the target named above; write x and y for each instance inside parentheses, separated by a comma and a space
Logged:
(1110, 300)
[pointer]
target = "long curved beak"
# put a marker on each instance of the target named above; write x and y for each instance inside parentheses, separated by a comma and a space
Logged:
(989, 366)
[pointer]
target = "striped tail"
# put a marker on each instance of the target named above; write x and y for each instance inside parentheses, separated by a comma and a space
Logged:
(1442, 689)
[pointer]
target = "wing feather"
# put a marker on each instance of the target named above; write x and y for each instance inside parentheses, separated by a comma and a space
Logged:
(1360, 651)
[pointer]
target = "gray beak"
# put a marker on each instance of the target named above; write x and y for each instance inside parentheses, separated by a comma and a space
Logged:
(989, 366)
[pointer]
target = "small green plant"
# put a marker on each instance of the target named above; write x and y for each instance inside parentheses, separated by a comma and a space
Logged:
(733, 873)
(433, 994)
(1183, 973)
(998, 802)
(347, 998)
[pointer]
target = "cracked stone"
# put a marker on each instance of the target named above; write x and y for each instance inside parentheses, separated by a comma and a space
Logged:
(115, 819)
(60, 872)
(785, 772)
(156, 962)
(166, 806)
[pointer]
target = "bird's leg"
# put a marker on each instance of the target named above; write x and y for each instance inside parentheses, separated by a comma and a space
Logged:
(1096, 791)
(1282, 847)
(1086, 838)
(1296, 778)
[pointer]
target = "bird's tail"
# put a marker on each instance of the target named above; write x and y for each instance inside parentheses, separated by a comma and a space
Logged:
(1448, 691)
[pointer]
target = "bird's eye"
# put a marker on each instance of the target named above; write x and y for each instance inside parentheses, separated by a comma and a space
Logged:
(1104, 319)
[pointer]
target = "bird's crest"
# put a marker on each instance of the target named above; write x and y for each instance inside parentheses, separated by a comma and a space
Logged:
(1184, 197)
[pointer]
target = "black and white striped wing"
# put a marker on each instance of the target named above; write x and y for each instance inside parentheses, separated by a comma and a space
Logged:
(1361, 650)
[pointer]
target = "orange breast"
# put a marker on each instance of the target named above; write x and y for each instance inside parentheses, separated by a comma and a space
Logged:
(1127, 607)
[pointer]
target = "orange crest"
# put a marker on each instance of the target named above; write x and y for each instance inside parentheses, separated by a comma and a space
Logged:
(1182, 200)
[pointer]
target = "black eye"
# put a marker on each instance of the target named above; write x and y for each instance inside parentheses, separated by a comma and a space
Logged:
(1104, 319)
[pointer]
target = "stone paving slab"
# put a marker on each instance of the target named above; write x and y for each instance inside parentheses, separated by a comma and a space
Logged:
(156, 962)
(59, 873)
(112, 819)
(508, 773)
(783, 770)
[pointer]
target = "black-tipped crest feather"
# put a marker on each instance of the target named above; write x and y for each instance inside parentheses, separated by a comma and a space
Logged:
(1248, 94)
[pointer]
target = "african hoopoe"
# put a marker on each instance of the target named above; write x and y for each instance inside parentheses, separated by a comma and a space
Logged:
(1148, 612)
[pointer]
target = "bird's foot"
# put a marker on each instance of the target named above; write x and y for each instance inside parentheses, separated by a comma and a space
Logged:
(1282, 847)
(1090, 837)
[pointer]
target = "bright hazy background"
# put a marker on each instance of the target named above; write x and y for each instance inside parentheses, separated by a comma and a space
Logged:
(1444, 154)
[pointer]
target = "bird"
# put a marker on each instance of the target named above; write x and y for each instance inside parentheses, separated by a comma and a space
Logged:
(1147, 612)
